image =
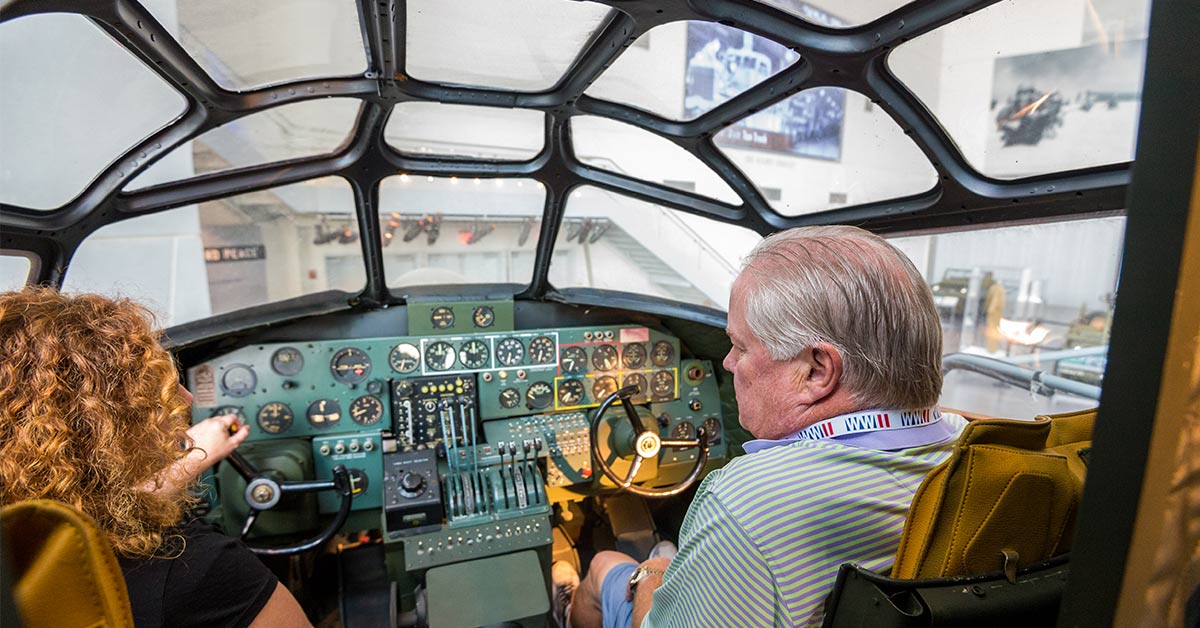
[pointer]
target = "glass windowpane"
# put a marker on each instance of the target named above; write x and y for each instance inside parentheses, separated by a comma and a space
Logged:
(428, 128)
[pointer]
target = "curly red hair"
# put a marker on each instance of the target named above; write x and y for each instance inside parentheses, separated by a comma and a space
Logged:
(90, 412)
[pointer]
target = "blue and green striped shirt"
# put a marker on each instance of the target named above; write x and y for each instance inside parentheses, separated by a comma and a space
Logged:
(765, 535)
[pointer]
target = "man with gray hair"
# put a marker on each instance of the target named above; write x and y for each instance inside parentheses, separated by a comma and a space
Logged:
(836, 362)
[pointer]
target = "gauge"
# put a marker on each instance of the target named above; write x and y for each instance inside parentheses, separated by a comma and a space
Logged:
(570, 392)
(366, 410)
(404, 358)
(442, 317)
(634, 355)
(239, 380)
(439, 356)
(234, 410)
(484, 316)
(663, 353)
(663, 384)
(712, 427)
(287, 361)
(510, 352)
(474, 354)
(509, 398)
(603, 387)
(684, 431)
(573, 360)
(604, 358)
(541, 350)
(539, 395)
(350, 365)
(275, 418)
(324, 413)
(639, 380)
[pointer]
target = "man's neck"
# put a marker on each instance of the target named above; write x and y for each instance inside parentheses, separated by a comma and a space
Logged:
(837, 403)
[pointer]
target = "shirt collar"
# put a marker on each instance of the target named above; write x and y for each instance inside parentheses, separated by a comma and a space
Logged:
(891, 440)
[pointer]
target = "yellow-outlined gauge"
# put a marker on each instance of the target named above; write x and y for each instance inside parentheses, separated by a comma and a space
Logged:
(588, 379)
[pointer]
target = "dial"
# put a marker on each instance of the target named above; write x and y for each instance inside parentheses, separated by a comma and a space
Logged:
(541, 350)
(366, 410)
(324, 413)
(474, 354)
(483, 316)
(275, 418)
(350, 365)
(442, 317)
(639, 380)
(539, 395)
(404, 358)
(573, 360)
(634, 355)
(663, 353)
(663, 385)
(239, 380)
(439, 356)
(287, 361)
(234, 410)
(603, 387)
(604, 358)
(509, 398)
(570, 392)
(712, 427)
(684, 431)
(510, 352)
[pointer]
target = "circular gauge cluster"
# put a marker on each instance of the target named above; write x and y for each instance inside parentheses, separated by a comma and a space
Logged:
(483, 317)
(366, 410)
(604, 386)
(510, 352)
(239, 380)
(442, 317)
(223, 410)
(633, 354)
(350, 365)
(662, 354)
(570, 392)
(287, 361)
(541, 350)
(538, 396)
(509, 398)
(662, 384)
(712, 427)
(275, 418)
(639, 380)
(474, 354)
(324, 413)
(573, 360)
(439, 356)
(684, 431)
(604, 358)
(404, 358)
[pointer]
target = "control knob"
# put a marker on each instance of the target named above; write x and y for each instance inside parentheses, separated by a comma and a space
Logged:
(412, 485)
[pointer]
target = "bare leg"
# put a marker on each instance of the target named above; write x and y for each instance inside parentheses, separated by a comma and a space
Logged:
(585, 606)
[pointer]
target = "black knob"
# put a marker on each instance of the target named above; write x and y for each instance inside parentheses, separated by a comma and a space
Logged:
(412, 483)
(694, 405)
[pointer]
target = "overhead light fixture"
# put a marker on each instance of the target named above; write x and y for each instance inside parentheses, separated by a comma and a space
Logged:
(584, 230)
(526, 231)
(433, 229)
(478, 231)
(601, 228)
(389, 231)
(573, 229)
(347, 235)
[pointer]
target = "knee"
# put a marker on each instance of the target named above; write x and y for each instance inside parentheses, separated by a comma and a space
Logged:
(603, 562)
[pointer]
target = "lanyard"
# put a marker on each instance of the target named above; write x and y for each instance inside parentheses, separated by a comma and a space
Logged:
(868, 421)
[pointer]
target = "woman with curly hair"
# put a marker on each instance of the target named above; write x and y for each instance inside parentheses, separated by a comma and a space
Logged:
(92, 414)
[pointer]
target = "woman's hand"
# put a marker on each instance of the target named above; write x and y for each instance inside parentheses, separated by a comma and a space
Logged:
(217, 436)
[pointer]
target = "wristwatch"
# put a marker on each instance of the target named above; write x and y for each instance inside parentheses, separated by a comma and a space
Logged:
(640, 574)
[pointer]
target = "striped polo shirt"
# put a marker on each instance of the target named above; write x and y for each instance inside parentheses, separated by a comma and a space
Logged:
(765, 535)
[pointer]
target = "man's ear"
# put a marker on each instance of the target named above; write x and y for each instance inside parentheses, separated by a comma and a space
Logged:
(818, 372)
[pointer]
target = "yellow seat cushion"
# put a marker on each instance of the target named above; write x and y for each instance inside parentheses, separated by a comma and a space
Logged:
(64, 572)
(1009, 487)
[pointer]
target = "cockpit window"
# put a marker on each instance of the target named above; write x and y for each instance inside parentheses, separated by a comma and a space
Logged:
(626, 149)
(57, 135)
(838, 14)
(436, 129)
(228, 254)
(540, 40)
(614, 242)
(304, 129)
(243, 45)
(825, 148)
(718, 63)
(14, 271)
(446, 230)
(1025, 87)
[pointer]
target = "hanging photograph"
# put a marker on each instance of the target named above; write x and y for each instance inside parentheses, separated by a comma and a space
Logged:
(1046, 106)
(723, 62)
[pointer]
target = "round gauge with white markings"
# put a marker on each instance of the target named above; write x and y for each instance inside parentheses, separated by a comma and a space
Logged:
(603, 387)
(684, 431)
(663, 353)
(510, 352)
(712, 427)
(570, 392)
(509, 398)
(442, 317)
(639, 380)
(234, 410)
(239, 380)
(539, 395)
(324, 413)
(662, 385)
(474, 354)
(287, 361)
(483, 316)
(350, 365)
(366, 410)
(439, 356)
(573, 360)
(633, 354)
(275, 417)
(541, 350)
(604, 358)
(404, 358)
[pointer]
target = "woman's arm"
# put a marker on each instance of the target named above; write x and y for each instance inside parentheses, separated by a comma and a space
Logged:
(213, 440)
